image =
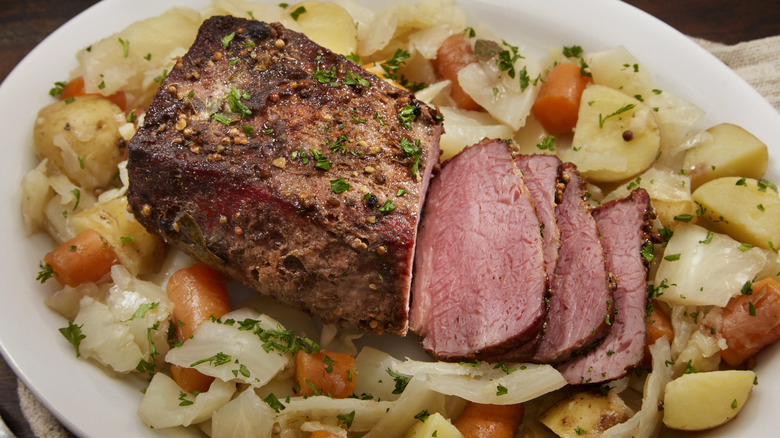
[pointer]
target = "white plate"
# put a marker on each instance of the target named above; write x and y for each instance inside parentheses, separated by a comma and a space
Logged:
(92, 403)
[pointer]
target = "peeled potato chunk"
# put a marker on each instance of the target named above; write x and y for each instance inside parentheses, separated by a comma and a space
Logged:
(328, 25)
(434, 425)
(702, 401)
(585, 414)
(732, 151)
(744, 208)
(616, 137)
(140, 252)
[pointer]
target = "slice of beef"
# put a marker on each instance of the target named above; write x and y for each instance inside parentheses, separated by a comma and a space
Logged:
(290, 169)
(542, 175)
(479, 284)
(625, 226)
(581, 304)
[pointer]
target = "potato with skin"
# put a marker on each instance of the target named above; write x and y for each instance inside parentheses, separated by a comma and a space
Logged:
(702, 401)
(616, 137)
(140, 252)
(585, 414)
(732, 151)
(746, 209)
(82, 139)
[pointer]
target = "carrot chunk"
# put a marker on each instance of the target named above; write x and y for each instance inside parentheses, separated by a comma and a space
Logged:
(490, 421)
(658, 326)
(75, 88)
(454, 54)
(85, 258)
(197, 293)
(751, 322)
(325, 373)
(558, 102)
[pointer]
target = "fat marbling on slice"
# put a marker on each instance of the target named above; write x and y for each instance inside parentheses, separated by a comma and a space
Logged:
(581, 301)
(625, 226)
(542, 175)
(479, 283)
(290, 169)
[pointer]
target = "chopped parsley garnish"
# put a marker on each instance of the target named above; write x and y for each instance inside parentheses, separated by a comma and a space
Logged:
(387, 207)
(507, 58)
(125, 47)
(131, 118)
(620, 110)
(57, 89)
(279, 339)
(222, 119)
(354, 58)
(77, 194)
(422, 415)
(751, 308)
(572, 51)
(127, 239)
(414, 150)
(400, 381)
(634, 184)
(140, 312)
(672, 257)
(647, 252)
(689, 369)
(45, 273)
(407, 116)
(741, 182)
(215, 360)
(73, 334)
(183, 399)
(347, 419)
(227, 39)
(242, 369)
(297, 12)
(747, 288)
(707, 239)
(248, 130)
(274, 402)
(338, 144)
(352, 79)
(547, 143)
(234, 97)
(161, 78)
(320, 160)
(326, 76)
(683, 217)
(501, 390)
(400, 192)
(339, 185)
(328, 364)
(763, 184)
(392, 65)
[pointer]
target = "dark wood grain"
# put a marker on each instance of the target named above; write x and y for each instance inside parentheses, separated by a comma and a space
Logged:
(23, 24)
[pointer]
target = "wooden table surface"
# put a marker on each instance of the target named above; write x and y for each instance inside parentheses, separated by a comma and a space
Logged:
(23, 24)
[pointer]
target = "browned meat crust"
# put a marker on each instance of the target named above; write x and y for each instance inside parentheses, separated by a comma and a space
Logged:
(243, 156)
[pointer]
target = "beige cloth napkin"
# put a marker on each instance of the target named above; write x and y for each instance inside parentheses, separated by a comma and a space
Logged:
(758, 62)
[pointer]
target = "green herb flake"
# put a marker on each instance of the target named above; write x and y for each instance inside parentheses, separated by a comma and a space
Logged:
(328, 364)
(621, 110)
(125, 47)
(274, 402)
(77, 193)
(579, 431)
(741, 182)
(708, 239)
(406, 116)
(414, 150)
(547, 143)
(401, 381)
(352, 79)
(422, 415)
(387, 207)
(297, 12)
(501, 389)
(183, 399)
(689, 369)
(683, 217)
(647, 252)
(127, 239)
(325, 76)
(140, 312)
(131, 118)
(572, 51)
(222, 119)
(148, 57)
(744, 247)
(57, 89)
(354, 58)
(73, 334)
(751, 308)
(227, 39)
(161, 78)
(672, 257)
(216, 360)
(400, 192)
(347, 419)
(764, 184)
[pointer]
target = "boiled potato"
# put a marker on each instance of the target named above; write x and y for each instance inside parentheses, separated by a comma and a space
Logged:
(328, 25)
(744, 208)
(618, 69)
(82, 139)
(435, 425)
(667, 211)
(702, 401)
(140, 252)
(585, 414)
(732, 151)
(616, 137)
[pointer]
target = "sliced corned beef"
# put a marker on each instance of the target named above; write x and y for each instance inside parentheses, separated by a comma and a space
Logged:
(581, 304)
(542, 176)
(479, 279)
(625, 227)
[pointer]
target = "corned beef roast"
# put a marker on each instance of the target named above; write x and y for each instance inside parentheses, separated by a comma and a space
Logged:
(290, 169)
(581, 305)
(479, 286)
(625, 226)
